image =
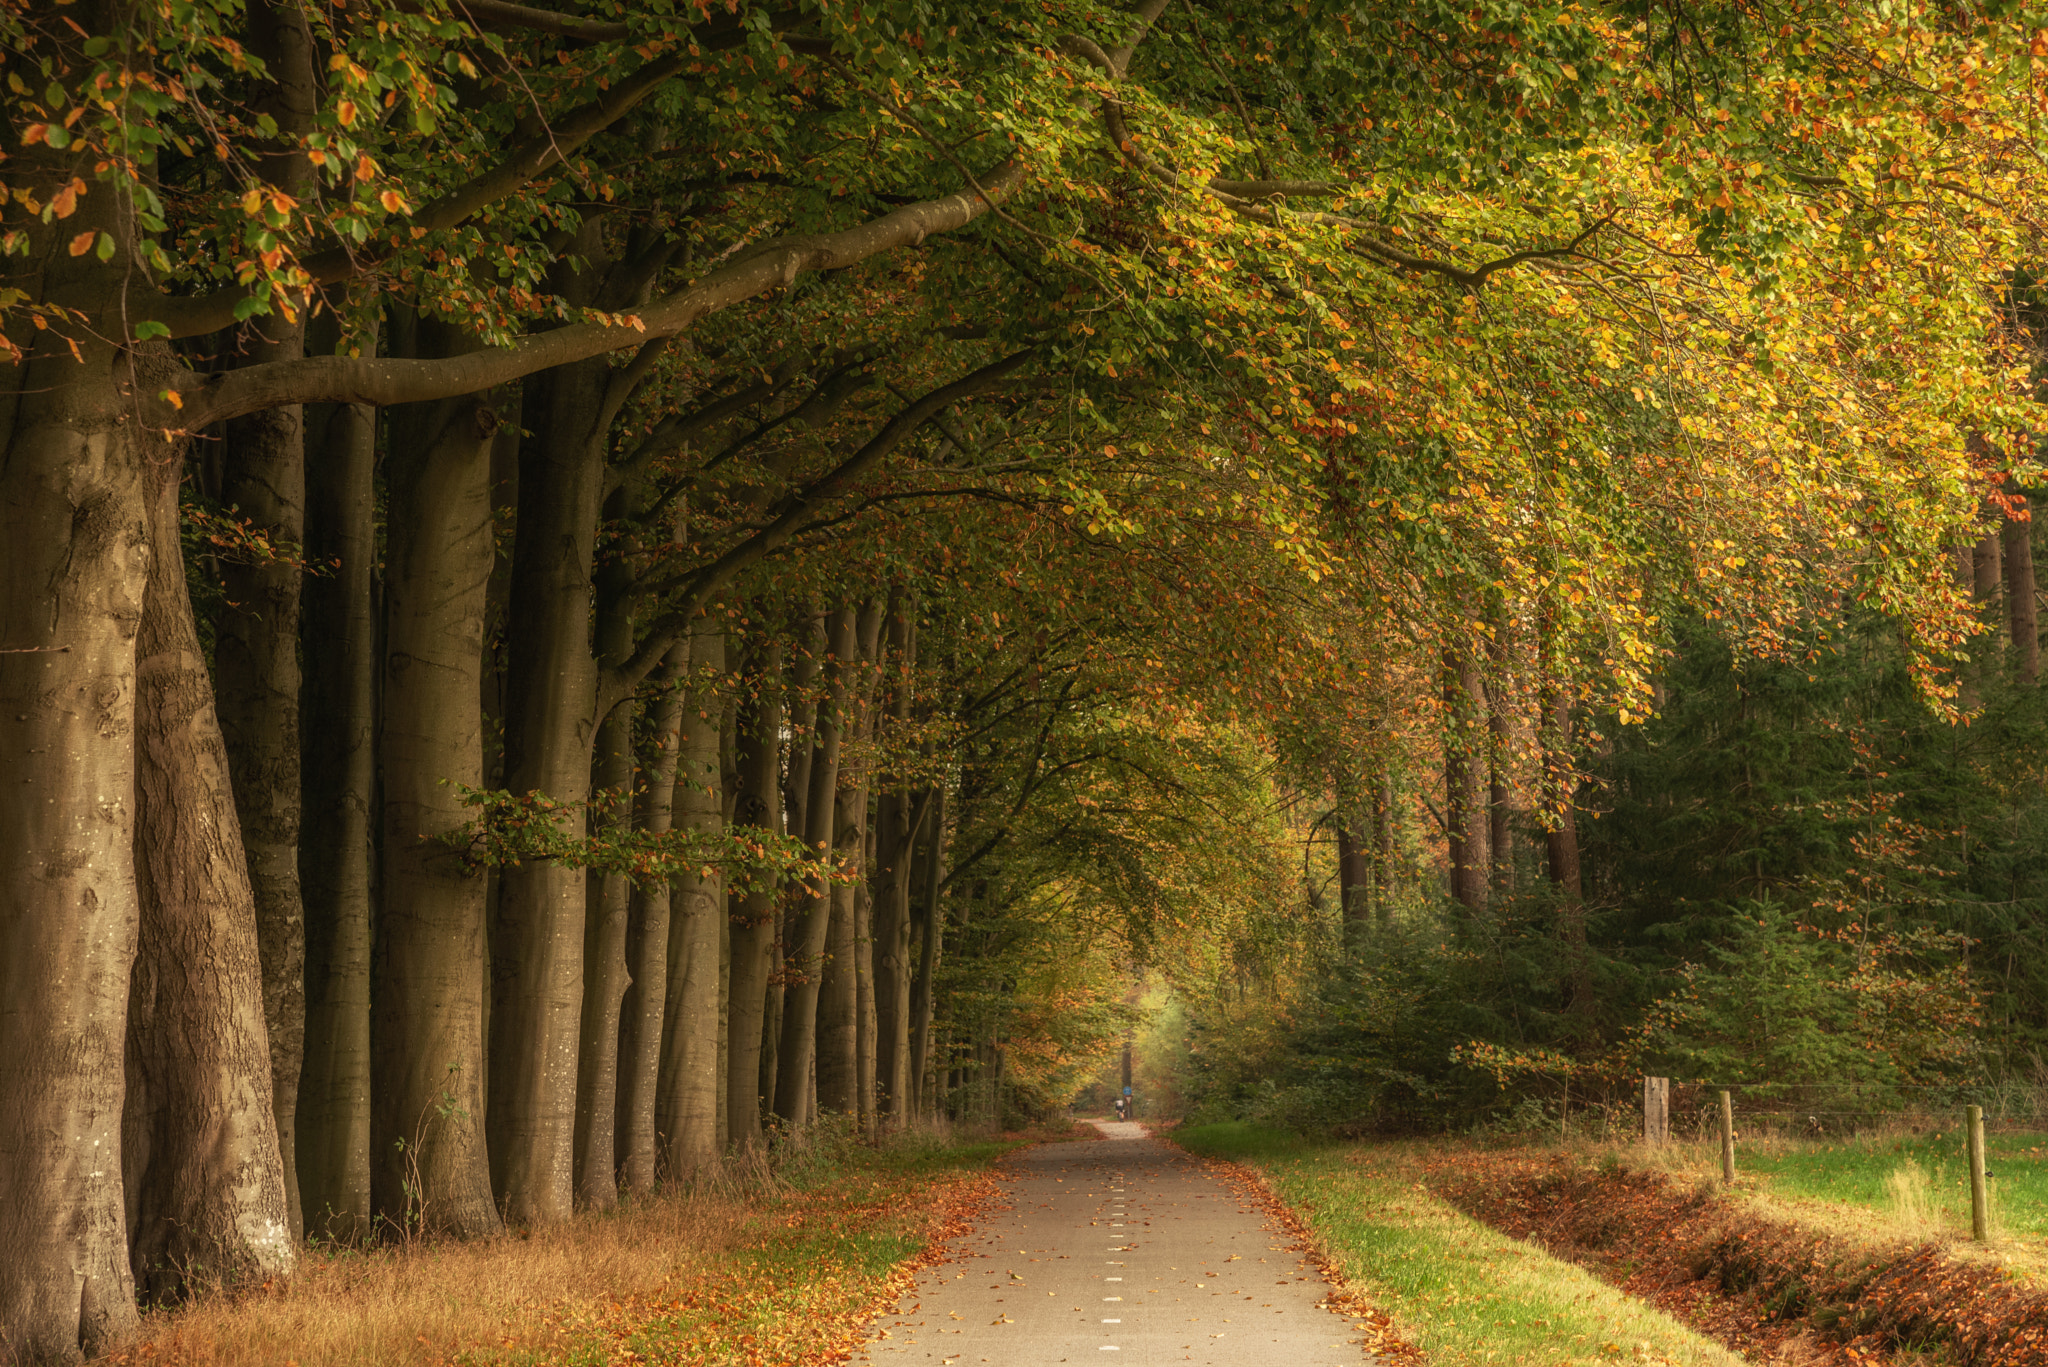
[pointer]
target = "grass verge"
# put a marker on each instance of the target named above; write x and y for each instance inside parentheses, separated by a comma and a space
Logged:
(1462, 1293)
(784, 1270)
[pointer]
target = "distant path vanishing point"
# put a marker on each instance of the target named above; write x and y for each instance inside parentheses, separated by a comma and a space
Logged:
(1126, 1251)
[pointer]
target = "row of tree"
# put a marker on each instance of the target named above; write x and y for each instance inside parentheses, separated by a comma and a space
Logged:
(585, 584)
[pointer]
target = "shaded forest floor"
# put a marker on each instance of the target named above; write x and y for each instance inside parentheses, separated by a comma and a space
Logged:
(768, 1267)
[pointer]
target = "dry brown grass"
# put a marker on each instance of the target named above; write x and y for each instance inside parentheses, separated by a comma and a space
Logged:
(425, 1304)
(542, 1297)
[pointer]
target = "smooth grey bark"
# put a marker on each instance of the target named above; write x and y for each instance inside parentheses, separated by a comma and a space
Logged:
(338, 782)
(430, 1161)
(2022, 611)
(256, 642)
(796, 1052)
(647, 933)
(605, 975)
(1465, 779)
(839, 1024)
(757, 805)
(932, 934)
(537, 937)
(204, 1174)
(73, 520)
(687, 1108)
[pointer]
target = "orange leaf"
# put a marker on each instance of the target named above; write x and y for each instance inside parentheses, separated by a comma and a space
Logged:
(82, 244)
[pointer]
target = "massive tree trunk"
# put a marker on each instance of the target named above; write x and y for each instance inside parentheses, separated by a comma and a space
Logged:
(338, 783)
(72, 580)
(257, 641)
(430, 1164)
(932, 933)
(205, 1177)
(687, 1114)
(839, 1017)
(812, 922)
(550, 724)
(647, 932)
(1465, 821)
(757, 805)
(2021, 610)
(605, 974)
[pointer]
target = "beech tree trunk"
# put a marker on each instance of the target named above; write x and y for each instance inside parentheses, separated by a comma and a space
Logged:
(608, 908)
(796, 1053)
(338, 783)
(758, 805)
(72, 582)
(1561, 849)
(430, 1162)
(687, 1116)
(537, 939)
(1499, 826)
(1464, 780)
(2021, 608)
(256, 644)
(205, 1177)
(839, 1015)
(898, 815)
(931, 934)
(647, 933)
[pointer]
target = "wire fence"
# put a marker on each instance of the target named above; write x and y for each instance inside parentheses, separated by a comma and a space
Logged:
(1830, 1110)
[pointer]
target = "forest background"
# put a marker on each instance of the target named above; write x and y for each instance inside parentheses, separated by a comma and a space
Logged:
(587, 589)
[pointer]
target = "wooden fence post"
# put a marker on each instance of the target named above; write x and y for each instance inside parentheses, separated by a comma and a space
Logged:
(1656, 1110)
(1980, 1198)
(1727, 1137)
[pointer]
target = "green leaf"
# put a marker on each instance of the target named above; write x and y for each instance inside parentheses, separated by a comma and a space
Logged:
(151, 330)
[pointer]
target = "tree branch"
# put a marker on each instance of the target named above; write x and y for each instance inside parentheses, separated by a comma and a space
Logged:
(788, 517)
(207, 399)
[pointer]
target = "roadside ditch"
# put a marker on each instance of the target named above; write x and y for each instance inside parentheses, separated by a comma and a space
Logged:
(1771, 1289)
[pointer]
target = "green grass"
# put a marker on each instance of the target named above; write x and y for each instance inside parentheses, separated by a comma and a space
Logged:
(1459, 1291)
(1859, 1171)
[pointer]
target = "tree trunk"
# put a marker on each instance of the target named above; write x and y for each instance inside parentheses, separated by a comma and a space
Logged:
(797, 1050)
(839, 1014)
(933, 932)
(1464, 780)
(2020, 605)
(430, 1164)
(1382, 850)
(1354, 874)
(338, 782)
(1561, 848)
(687, 1115)
(256, 646)
(758, 806)
(550, 724)
(647, 933)
(609, 899)
(1499, 825)
(897, 817)
(204, 1173)
(72, 582)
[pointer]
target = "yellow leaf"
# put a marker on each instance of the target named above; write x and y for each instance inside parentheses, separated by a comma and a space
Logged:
(173, 398)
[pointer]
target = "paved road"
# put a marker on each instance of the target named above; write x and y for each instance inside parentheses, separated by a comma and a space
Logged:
(1121, 1250)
